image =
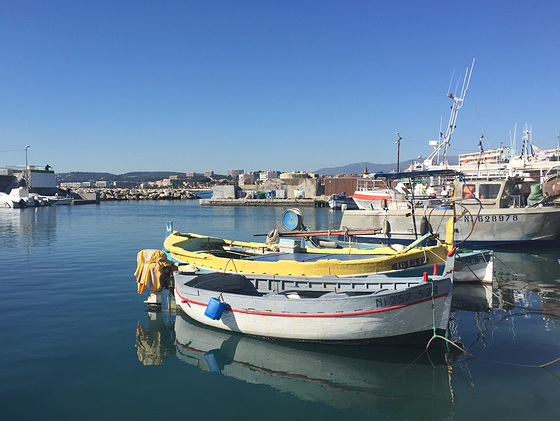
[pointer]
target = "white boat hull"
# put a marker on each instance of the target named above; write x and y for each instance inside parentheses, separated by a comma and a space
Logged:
(477, 229)
(387, 317)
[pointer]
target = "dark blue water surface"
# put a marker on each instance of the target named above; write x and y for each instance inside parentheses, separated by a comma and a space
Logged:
(77, 341)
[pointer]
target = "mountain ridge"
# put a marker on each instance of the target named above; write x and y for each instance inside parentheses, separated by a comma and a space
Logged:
(151, 176)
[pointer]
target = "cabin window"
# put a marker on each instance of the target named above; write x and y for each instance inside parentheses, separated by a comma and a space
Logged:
(488, 191)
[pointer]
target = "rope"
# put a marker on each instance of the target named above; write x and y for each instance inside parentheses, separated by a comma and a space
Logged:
(436, 336)
(227, 263)
(433, 311)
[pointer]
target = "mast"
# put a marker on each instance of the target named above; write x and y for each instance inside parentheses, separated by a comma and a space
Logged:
(398, 142)
(457, 105)
(526, 141)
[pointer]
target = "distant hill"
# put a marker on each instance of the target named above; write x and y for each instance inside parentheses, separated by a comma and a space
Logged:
(147, 176)
(138, 176)
(358, 168)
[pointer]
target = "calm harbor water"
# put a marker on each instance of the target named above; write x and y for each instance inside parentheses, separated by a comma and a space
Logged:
(77, 341)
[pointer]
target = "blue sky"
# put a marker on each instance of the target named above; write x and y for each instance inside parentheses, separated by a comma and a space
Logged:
(121, 86)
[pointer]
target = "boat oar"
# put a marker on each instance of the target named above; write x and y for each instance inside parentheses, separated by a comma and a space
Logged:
(323, 233)
(418, 241)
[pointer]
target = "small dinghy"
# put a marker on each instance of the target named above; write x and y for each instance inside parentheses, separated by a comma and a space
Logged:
(374, 308)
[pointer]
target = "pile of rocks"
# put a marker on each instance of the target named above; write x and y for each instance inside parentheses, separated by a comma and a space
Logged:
(114, 194)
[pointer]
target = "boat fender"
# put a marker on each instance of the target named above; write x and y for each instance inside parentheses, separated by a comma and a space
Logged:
(386, 228)
(425, 276)
(187, 268)
(425, 226)
(272, 236)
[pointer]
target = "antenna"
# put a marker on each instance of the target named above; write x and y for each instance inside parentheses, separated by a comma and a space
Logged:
(451, 80)
(514, 144)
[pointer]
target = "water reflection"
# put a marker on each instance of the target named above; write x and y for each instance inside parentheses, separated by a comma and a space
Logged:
(536, 264)
(474, 297)
(399, 382)
(529, 279)
(29, 227)
(156, 342)
(379, 379)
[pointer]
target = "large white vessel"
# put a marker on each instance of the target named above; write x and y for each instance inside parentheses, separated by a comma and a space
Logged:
(488, 212)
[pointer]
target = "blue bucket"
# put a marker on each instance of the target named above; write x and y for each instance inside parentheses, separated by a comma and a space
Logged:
(215, 309)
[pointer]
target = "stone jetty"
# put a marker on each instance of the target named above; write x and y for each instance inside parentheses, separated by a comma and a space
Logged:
(318, 203)
(117, 194)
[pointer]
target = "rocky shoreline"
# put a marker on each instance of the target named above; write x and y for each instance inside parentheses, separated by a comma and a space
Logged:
(118, 194)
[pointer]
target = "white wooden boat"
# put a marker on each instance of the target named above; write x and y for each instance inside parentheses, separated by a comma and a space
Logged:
(289, 259)
(475, 266)
(375, 308)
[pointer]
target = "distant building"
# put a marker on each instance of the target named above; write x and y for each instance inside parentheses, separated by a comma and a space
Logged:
(124, 183)
(341, 183)
(77, 185)
(494, 156)
(177, 180)
(234, 173)
(307, 184)
(267, 175)
(247, 178)
(208, 174)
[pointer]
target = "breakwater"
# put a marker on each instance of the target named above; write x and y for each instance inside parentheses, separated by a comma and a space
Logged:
(317, 203)
(118, 194)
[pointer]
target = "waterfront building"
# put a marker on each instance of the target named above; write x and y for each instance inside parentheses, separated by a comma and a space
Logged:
(267, 175)
(234, 173)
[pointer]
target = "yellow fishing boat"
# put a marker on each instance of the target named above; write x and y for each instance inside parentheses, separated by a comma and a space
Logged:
(290, 259)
